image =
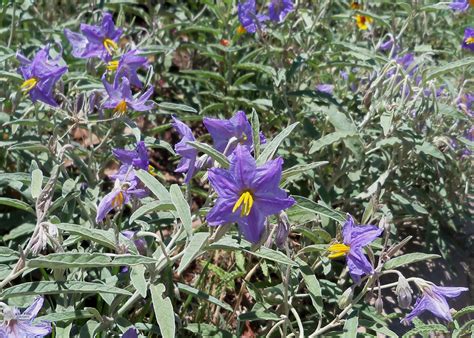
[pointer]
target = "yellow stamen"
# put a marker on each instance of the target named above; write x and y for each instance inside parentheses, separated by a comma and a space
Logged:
(338, 250)
(151, 170)
(246, 200)
(118, 200)
(363, 22)
(470, 40)
(241, 30)
(110, 45)
(29, 84)
(112, 65)
(121, 107)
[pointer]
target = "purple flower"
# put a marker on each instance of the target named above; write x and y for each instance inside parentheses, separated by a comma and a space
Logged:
(222, 131)
(279, 9)
(20, 325)
(325, 88)
(40, 74)
(120, 195)
(466, 104)
(132, 159)
(121, 99)
(247, 194)
(127, 66)
(140, 243)
(355, 238)
(95, 41)
(130, 333)
(434, 301)
(188, 153)
(468, 41)
(459, 5)
(250, 21)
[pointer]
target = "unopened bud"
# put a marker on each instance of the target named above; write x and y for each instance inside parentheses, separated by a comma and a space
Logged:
(379, 305)
(283, 230)
(403, 292)
(346, 298)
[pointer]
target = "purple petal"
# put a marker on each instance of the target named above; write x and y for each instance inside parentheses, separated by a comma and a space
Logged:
(252, 226)
(242, 167)
(419, 307)
(270, 204)
(125, 91)
(268, 176)
(33, 330)
(34, 308)
(222, 213)
(449, 292)
(358, 264)
(223, 183)
(221, 132)
(105, 205)
(130, 333)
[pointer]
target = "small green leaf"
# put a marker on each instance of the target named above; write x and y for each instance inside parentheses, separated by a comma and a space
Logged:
(300, 169)
(408, 259)
(182, 207)
(151, 207)
(272, 146)
(329, 139)
(192, 250)
(16, 204)
(164, 313)
(307, 204)
(351, 325)
(176, 106)
(312, 284)
(154, 185)
(65, 316)
(200, 294)
(137, 277)
(36, 183)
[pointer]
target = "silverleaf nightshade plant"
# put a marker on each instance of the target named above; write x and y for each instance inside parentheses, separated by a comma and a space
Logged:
(247, 194)
(18, 324)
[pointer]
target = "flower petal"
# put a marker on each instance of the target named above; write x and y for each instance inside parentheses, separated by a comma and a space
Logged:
(358, 264)
(223, 183)
(252, 226)
(268, 176)
(243, 167)
(449, 292)
(34, 308)
(222, 213)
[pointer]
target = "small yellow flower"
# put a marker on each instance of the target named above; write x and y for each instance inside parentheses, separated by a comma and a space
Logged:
(363, 22)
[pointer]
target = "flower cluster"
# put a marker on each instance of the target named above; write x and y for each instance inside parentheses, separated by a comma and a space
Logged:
(251, 21)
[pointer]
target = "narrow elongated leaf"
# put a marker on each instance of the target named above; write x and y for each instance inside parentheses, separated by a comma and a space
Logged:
(300, 169)
(164, 313)
(137, 277)
(154, 185)
(192, 250)
(51, 288)
(177, 106)
(408, 259)
(16, 204)
(182, 207)
(255, 133)
(200, 294)
(351, 325)
(86, 260)
(273, 145)
(65, 316)
(214, 154)
(151, 207)
(307, 204)
(329, 139)
(449, 67)
(102, 237)
(36, 183)
(429, 328)
(312, 284)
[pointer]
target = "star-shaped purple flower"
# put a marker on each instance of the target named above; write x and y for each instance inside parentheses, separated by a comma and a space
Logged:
(120, 195)
(355, 238)
(279, 9)
(460, 5)
(250, 21)
(468, 41)
(127, 66)
(40, 74)
(247, 194)
(132, 159)
(189, 154)
(20, 325)
(95, 41)
(222, 131)
(121, 100)
(434, 301)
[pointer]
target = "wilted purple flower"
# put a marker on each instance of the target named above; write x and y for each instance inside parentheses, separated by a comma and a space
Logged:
(355, 238)
(120, 195)
(140, 243)
(130, 333)
(468, 41)
(250, 21)
(434, 301)
(466, 104)
(247, 194)
(121, 99)
(279, 9)
(40, 75)
(459, 5)
(222, 131)
(95, 41)
(188, 153)
(127, 66)
(20, 325)
(325, 88)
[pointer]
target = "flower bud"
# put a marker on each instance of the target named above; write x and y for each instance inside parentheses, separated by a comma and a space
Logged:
(403, 292)
(346, 298)
(283, 230)
(379, 305)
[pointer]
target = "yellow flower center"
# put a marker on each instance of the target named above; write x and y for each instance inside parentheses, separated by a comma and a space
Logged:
(118, 200)
(241, 30)
(338, 250)
(29, 84)
(121, 107)
(243, 138)
(470, 40)
(112, 65)
(246, 201)
(110, 45)
(151, 170)
(363, 22)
